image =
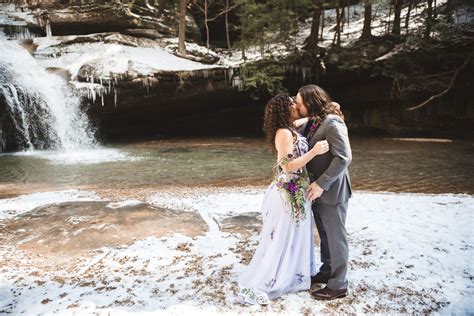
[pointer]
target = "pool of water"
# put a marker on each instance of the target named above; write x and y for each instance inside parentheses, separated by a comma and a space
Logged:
(416, 165)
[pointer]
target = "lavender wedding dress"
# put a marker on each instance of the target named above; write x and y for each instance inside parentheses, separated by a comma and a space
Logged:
(284, 259)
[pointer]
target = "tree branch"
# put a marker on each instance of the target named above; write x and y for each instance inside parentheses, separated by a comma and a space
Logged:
(223, 12)
(451, 83)
(198, 6)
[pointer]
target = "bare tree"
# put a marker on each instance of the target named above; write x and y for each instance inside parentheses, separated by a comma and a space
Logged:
(207, 19)
(339, 21)
(450, 10)
(429, 19)
(311, 42)
(227, 23)
(397, 18)
(367, 30)
(387, 29)
(407, 17)
(182, 27)
(450, 85)
(348, 16)
(322, 24)
(342, 16)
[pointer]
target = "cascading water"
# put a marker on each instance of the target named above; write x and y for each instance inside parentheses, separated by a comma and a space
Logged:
(45, 112)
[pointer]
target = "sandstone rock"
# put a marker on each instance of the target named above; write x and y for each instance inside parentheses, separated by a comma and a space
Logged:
(70, 229)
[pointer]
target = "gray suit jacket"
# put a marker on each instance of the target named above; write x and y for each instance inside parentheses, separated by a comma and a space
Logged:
(330, 169)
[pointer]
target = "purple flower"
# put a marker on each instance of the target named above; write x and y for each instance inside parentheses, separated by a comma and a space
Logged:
(313, 127)
(292, 187)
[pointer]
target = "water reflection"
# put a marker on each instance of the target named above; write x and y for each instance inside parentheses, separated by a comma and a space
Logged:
(378, 165)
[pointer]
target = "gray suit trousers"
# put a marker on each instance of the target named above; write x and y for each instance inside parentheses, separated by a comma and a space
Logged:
(334, 246)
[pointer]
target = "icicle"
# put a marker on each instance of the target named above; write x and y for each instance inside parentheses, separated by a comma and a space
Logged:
(237, 83)
(21, 32)
(115, 98)
(209, 87)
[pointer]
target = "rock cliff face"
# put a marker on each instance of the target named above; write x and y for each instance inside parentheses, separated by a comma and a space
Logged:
(123, 61)
(86, 17)
(377, 81)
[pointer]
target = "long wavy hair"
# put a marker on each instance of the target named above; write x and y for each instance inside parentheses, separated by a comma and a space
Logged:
(277, 115)
(318, 102)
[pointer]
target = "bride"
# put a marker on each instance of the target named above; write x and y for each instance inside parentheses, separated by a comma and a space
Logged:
(284, 260)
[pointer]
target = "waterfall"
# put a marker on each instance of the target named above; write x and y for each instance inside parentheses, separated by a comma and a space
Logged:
(44, 111)
(48, 30)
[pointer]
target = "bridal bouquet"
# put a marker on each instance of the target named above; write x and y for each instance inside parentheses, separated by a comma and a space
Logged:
(294, 185)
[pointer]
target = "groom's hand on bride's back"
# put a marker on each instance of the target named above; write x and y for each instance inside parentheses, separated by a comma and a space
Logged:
(314, 191)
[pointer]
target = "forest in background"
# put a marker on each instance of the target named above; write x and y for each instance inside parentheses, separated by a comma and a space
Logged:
(273, 30)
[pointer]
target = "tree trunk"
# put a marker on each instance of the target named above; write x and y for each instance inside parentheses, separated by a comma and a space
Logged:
(449, 11)
(322, 25)
(227, 23)
(348, 14)
(367, 30)
(429, 19)
(337, 35)
(205, 23)
(342, 16)
(182, 27)
(407, 18)
(435, 12)
(311, 42)
(242, 37)
(396, 20)
(387, 30)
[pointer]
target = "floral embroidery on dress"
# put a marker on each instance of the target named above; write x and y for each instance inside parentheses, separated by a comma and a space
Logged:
(250, 296)
(300, 277)
(270, 283)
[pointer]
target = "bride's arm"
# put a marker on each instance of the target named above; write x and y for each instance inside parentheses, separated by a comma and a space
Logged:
(284, 147)
(300, 122)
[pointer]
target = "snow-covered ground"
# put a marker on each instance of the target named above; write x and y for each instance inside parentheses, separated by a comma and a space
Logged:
(9, 208)
(110, 59)
(409, 253)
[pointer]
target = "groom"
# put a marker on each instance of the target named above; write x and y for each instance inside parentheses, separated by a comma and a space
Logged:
(330, 187)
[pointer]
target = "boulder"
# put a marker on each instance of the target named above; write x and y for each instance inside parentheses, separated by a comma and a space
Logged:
(65, 230)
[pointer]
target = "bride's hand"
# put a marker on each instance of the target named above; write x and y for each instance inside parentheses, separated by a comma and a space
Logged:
(320, 147)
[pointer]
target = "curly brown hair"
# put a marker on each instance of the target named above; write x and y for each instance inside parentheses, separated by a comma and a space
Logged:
(318, 102)
(277, 115)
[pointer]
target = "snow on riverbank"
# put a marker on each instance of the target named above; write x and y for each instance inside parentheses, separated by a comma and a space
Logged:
(10, 208)
(409, 253)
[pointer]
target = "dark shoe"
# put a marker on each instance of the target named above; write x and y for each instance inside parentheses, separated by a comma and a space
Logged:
(318, 279)
(327, 294)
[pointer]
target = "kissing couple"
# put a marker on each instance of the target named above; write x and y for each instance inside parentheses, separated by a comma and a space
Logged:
(311, 185)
